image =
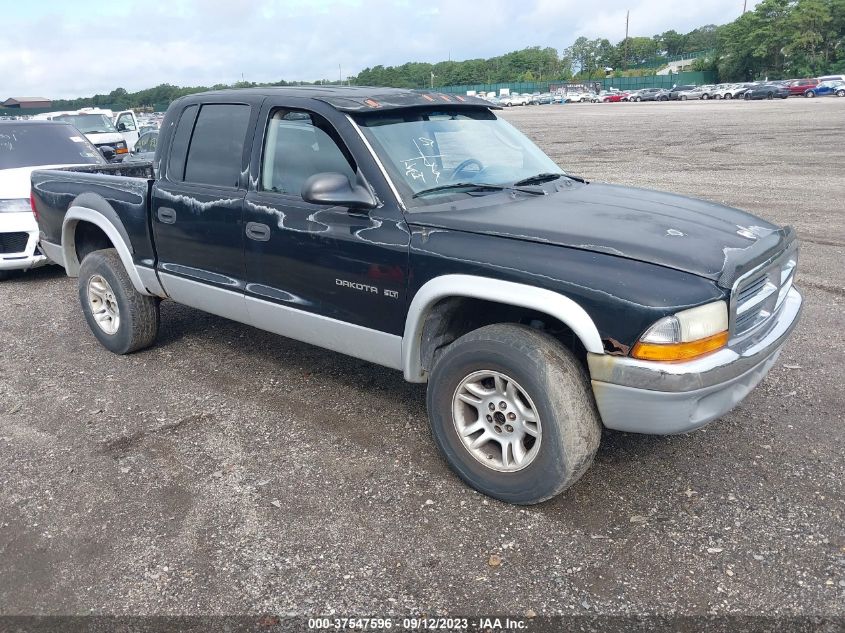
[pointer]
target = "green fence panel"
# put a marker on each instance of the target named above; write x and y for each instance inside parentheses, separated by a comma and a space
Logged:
(23, 111)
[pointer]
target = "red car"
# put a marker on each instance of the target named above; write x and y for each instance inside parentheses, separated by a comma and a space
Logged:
(800, 86)
(614, 97)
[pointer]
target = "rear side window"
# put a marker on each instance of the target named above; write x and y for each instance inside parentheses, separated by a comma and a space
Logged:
(216, 153)
(179, 144)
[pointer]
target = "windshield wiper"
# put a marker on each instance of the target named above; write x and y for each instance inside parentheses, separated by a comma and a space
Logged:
(538, 179)
(469, 186)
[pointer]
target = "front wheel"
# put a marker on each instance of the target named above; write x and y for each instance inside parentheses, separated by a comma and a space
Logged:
(809, 94)
(120, 317)
(728, 95)
(512, 411)
(840, 93)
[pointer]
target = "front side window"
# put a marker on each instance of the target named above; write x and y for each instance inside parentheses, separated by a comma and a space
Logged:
(215, 156)
(426, 149)
(297, 146)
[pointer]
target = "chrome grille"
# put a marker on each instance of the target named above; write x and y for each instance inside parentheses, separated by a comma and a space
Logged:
(758, 295)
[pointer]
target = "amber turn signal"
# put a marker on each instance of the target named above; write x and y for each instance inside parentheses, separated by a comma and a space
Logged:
(680, 351)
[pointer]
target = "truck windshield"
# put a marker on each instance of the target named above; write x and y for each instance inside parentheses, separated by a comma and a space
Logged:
(36, 144)
(424, 150)
(88, 123)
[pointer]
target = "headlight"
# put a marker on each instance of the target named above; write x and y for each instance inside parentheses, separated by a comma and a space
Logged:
(15, 206)
(685, 335)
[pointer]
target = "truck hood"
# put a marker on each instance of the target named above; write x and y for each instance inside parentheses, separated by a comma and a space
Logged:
(15, 184)
(687, 234)
(101, 138)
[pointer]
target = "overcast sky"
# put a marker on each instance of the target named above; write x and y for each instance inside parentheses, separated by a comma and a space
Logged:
(70, 48)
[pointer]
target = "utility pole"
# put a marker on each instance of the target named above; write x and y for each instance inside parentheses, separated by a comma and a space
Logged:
(625, 54)
(339, 75)
(432, 79)
(744, 6)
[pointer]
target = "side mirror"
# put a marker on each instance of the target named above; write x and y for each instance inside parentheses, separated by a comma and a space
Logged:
(334, 189)
(121, 127)
(108, 152)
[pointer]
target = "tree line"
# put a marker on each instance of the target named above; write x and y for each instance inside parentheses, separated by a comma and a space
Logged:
(777, 39)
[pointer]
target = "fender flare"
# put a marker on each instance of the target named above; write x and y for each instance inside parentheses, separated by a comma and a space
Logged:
(77, 214)
(506, 292)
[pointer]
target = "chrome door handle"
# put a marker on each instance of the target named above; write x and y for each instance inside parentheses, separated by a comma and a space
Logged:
(257, 231)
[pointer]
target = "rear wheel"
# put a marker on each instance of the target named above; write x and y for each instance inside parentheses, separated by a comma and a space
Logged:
(120, 317)
(512, 411)
(809, 94)
(705, 97)
(683, 97)
(728, 95)
(840, 93)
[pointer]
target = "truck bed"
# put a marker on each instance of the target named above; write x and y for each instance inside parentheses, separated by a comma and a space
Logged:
(122, 189)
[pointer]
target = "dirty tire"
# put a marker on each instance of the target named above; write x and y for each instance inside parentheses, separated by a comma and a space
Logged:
(555, 381)
(139, 314)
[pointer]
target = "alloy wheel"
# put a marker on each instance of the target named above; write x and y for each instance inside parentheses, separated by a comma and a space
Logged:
(496, 421)
(103, 304)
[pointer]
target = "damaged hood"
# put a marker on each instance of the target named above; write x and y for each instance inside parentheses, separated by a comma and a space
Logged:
(687, 234)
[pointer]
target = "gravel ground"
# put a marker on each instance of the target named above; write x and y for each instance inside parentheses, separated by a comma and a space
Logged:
(227, 470)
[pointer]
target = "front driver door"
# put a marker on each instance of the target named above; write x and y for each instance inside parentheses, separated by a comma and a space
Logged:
(328, 275)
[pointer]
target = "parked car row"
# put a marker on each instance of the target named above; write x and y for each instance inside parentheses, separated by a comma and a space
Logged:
(832, 85)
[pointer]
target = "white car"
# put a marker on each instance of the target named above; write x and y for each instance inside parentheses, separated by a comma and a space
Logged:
(515, 100)
(24, 147)
(578, 97)
(96, 125)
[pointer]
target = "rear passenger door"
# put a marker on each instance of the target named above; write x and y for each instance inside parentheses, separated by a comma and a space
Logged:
(197, 205)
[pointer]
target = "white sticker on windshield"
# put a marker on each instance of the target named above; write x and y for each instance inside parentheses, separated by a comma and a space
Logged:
(77, 139)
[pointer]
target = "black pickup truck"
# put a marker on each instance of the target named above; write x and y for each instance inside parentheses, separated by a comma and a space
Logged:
(421, 232)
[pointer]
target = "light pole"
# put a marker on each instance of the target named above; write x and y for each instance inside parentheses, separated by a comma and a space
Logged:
(432, 79)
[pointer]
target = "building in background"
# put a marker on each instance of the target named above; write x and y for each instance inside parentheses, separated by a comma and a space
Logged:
(27, 103)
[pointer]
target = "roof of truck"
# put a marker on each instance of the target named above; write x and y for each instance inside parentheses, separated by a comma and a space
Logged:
(360, 98)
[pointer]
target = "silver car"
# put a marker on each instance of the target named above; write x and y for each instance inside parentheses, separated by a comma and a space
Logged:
(696, 93)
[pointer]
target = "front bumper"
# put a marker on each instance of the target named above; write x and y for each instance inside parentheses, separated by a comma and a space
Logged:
(30, 256)
(665, 398)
